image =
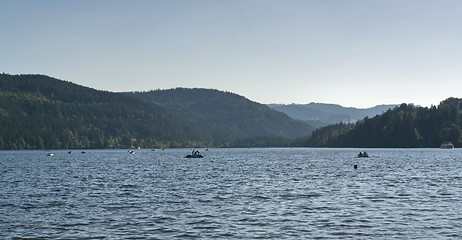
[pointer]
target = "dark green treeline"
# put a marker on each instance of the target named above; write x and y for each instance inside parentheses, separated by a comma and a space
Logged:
(39, 112)
(406, 126)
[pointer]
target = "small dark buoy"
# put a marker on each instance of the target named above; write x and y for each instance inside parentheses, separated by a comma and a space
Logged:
(355, 166)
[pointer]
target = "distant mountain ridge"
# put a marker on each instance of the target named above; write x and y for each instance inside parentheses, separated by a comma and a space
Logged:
(322, 114)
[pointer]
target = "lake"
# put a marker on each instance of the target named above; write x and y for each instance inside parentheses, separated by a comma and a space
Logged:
(275, 193)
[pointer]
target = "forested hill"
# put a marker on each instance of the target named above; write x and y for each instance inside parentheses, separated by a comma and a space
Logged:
(227, 115)
(405, 126)
(41, 112)
(38, 112)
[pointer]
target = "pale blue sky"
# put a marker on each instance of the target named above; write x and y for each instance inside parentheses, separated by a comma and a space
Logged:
(357, 53)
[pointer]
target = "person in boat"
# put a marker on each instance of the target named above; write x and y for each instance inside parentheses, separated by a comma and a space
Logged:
(195, 152)
(363, 154)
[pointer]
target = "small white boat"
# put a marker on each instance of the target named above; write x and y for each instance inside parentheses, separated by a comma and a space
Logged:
(50, 154)
(447, 145)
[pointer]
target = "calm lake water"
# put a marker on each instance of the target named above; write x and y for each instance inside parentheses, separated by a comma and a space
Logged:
(232, 194)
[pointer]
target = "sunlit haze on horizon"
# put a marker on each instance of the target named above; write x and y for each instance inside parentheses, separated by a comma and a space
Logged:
(355, 53)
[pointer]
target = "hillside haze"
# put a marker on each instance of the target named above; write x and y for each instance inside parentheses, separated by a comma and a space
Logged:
(322, 114)
(226, 115)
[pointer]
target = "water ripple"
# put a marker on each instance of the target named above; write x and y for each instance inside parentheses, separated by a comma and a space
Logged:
(232, 194)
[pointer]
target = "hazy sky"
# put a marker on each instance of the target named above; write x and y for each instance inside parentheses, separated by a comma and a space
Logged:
(357, 53)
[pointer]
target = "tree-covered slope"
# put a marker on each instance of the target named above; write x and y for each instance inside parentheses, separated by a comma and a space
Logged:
(38, 112)
(227, 116)
(403, 126)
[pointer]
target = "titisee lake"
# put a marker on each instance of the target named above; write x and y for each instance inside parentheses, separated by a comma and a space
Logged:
(274, 193)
